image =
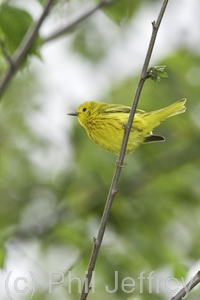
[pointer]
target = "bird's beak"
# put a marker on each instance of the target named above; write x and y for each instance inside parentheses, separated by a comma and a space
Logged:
(75, 114)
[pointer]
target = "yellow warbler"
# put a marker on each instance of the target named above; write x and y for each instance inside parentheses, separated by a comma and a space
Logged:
(104, 123)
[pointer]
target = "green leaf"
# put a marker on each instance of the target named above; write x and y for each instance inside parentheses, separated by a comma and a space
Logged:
(92, 48)
(121, 11)
(156, 73)
(14, 23)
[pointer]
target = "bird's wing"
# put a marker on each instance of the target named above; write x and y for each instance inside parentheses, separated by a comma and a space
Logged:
(139, 111)
(121, 112)
(115, 108)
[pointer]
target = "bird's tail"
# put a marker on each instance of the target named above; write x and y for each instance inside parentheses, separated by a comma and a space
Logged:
(155, 117)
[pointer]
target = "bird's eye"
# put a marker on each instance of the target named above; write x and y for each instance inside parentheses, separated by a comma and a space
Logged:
(84, 109)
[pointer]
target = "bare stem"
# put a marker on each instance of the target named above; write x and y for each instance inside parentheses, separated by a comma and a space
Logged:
(71, 25)
(187, 287)
(113, 187)
(5, 52)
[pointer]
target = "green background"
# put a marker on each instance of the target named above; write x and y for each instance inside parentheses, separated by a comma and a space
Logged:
(50, 210)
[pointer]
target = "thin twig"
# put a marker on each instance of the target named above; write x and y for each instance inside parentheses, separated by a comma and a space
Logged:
(187, 287)
(5, 53)
(71, 25)
(24, 47)
(113, 187)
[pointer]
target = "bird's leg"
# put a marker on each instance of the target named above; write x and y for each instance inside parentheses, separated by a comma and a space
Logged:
(119, 165)
(124, 126)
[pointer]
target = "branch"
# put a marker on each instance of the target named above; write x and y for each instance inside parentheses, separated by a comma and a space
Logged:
(113, 187)
(5, 53)
(23, 48)
(71, 25)
(187, 287)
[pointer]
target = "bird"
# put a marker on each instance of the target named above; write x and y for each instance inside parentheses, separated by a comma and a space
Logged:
(104, 123)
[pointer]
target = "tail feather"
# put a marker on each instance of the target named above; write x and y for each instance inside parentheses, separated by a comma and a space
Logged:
(154, 138)
(155, 117)
(174, 109)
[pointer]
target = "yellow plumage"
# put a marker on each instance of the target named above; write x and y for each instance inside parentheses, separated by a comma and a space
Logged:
(104, 123)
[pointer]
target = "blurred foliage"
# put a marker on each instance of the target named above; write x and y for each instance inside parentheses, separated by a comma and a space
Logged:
(89, 44)
(155, 218)
(122, 11)
(14, 23)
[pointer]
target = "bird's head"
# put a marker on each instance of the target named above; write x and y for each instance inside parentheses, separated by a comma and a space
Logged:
(86, 110)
